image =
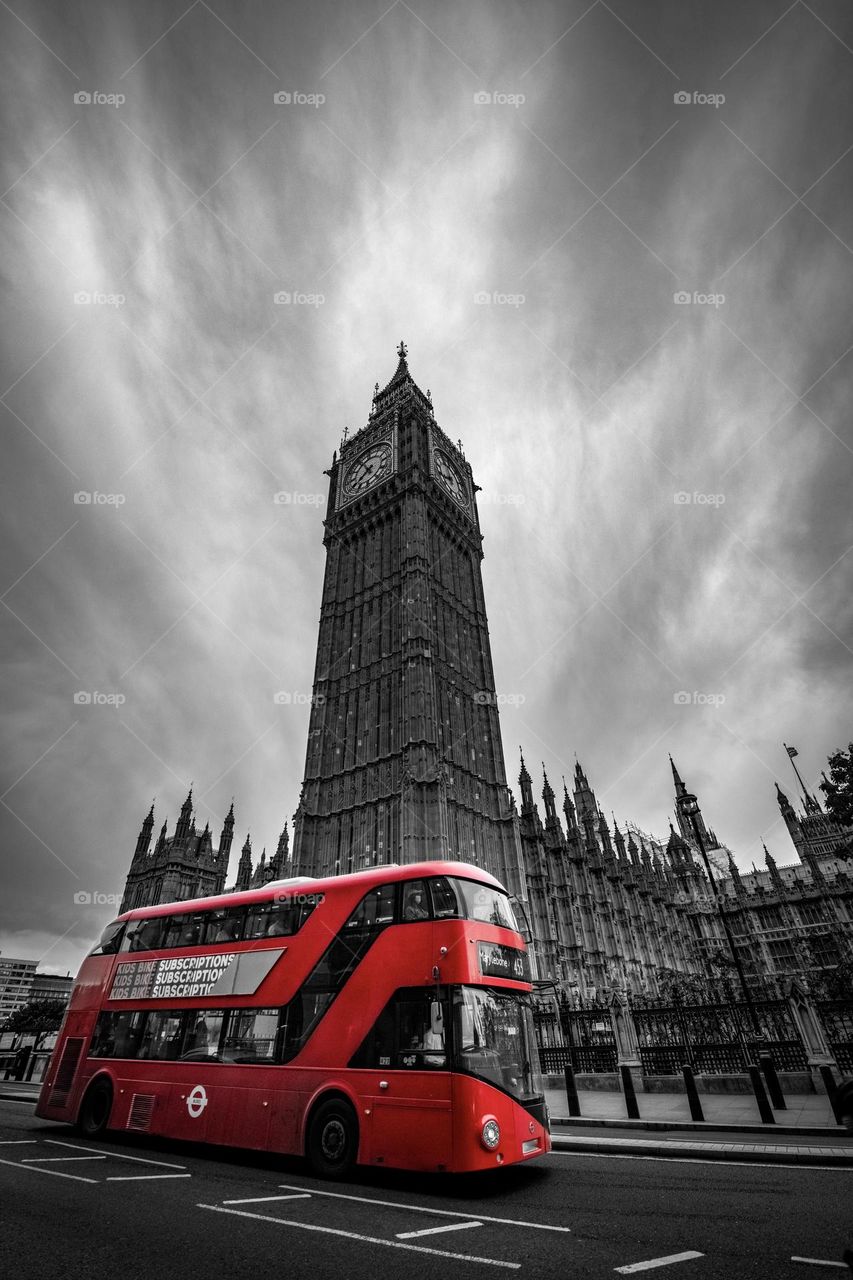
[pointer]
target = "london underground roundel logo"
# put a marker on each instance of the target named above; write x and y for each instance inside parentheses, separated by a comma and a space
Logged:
(197, 1101)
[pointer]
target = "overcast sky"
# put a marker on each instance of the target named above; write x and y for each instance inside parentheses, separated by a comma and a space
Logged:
(387, 199)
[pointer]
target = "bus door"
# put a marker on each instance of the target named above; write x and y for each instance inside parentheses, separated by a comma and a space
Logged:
(410, 1120)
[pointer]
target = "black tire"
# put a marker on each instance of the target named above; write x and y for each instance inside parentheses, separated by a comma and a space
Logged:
(332, 1144)
(94, 1114)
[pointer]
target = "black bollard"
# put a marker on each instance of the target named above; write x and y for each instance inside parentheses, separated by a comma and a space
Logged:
(692, 1092)
(572, 1091)
(631, 1108)
(831, 1091)
(768, 1066)
(764, 1108)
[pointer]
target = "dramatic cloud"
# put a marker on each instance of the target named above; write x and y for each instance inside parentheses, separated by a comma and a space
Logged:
(633, 309)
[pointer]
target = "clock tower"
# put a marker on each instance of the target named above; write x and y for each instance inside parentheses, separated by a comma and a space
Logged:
(404, 757)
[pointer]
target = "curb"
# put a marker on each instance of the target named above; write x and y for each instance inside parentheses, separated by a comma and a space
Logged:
(839, 1158)
(701, 1126)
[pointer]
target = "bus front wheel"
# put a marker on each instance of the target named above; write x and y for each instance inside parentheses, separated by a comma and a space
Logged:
(332, 1144)
(94, 1114)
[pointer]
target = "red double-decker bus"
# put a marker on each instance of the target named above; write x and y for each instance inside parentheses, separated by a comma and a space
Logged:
(381, 1018)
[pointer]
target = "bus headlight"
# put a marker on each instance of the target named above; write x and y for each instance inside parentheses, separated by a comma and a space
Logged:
(491, 1135)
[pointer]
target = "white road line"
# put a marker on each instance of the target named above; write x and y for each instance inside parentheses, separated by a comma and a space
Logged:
(18, 1142)
(263, 1199)
(658, 1262)
(440, 1213)
(351, 1235)
(820, 1262)
(31, 1168)
(434, 1231)
(741, 1164)
(76, 1146)
(58, 1159)
(145, 1177)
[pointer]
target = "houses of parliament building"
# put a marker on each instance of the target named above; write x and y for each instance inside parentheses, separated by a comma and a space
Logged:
(405, 762)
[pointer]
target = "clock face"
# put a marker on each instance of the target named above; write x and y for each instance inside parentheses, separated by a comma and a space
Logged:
(368, 469)
(447, 474)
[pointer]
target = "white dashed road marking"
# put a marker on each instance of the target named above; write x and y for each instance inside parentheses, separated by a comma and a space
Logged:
(352, 1235)
(439, 1213)
(145, 1177)
(261, 1199)
(55, 1173)
(658, 1262)
(434, 1231)
(76, 1146)
(820, 1262)
(58, 1159)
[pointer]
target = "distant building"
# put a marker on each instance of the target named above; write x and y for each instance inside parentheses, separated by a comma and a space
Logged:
(183, 865)
(16, 981)
(51, 986)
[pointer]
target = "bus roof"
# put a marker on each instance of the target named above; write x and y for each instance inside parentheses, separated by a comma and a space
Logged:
(387, 873)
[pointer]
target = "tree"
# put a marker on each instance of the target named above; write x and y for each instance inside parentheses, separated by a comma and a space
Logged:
(37, 1018)
(838, 787)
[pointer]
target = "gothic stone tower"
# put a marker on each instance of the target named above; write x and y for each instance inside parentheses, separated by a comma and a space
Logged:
(404, 758)
(185, 865)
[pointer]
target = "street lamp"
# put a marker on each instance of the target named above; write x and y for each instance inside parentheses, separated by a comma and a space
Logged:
(691, 808)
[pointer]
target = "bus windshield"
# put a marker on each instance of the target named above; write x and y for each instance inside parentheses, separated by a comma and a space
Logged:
(494, 1039)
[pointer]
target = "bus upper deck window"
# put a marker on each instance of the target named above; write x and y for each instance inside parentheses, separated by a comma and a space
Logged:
(110, 939)
(445, 900)
(415, 901)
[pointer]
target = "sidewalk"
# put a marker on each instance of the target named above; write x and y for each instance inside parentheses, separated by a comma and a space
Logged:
(804, 1134)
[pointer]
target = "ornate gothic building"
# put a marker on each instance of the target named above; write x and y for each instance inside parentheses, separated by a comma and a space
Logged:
(621, 909)
(184, 865)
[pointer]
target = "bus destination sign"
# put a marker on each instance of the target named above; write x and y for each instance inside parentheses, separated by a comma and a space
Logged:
(191, 977)
(498, 961)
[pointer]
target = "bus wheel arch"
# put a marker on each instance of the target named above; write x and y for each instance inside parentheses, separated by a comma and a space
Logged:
(96, 1105)
(332, 1133)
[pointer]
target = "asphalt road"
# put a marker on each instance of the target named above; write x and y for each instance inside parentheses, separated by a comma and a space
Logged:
(134, 1207)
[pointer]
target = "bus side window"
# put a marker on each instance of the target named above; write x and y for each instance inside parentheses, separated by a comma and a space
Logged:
(445, 901)
(110, 939)
(224, 925)
(415, 901)
(375, 910)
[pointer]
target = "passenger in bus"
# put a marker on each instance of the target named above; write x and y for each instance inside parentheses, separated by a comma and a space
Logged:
(415, 907)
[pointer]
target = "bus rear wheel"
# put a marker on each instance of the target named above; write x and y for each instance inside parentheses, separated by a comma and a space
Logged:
(94, 1114)
(332, 1144)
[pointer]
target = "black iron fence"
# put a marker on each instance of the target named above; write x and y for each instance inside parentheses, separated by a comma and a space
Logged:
(837, 1019)
(719, 1037)
(716, 1039)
